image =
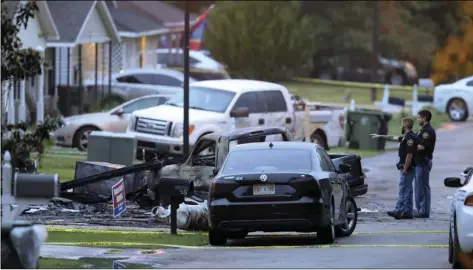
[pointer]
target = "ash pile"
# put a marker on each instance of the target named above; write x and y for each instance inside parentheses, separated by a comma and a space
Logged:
(87, 200)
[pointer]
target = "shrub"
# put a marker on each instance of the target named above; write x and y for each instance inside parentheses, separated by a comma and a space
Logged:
(266, 40)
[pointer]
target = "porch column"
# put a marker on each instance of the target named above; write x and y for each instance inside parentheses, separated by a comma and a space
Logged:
(22, 107)
(11, 102)
(151, 58)
(40, 95)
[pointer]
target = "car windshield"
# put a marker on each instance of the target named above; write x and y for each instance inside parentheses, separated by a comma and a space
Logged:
(202, 98)
(270, 160)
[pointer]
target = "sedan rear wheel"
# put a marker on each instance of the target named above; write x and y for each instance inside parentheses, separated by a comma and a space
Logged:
(81, 138)
(217, 238)
(351, 219)
(327, 233)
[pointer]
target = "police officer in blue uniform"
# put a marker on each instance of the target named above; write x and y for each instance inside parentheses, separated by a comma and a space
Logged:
(406, 165)
(426, 139)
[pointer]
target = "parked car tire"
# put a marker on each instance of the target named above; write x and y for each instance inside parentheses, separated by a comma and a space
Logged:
(237, 235)
(396, 78)
(450, 246)
(456, 264)
(217, 238)
(327, 233)
(461, 113)
(352, 219)
(81, 137)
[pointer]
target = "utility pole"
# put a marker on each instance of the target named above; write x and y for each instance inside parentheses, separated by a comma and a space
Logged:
(186, 81)
(375, 48)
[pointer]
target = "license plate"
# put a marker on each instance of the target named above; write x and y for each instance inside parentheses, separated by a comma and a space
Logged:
(264, 189)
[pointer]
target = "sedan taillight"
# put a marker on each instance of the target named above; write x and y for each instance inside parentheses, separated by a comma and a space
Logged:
(469, 200)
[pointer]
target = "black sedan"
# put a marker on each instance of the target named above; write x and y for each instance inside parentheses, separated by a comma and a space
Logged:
(280, 186)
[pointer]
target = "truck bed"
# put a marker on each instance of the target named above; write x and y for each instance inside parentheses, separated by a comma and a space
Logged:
(355, 178)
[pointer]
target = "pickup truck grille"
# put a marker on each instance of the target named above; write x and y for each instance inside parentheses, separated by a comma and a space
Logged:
(152, 126)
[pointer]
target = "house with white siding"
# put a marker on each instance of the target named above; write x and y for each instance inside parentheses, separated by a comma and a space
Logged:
(28, 95)
(145, 26)
(87, 36)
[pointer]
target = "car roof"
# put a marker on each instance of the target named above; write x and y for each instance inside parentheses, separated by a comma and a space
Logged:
(163, 71)
(464, 80)
(293, 145)
(239, 85)
(245, 133)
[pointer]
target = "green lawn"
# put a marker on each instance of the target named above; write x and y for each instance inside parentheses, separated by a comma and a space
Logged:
(85, 263)
(126, 239)
(335, 94)
(63, 165)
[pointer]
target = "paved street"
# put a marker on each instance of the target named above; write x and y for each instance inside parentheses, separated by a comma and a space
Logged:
(378, 242)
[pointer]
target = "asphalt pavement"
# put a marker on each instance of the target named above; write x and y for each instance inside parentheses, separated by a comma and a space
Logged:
(378, 242)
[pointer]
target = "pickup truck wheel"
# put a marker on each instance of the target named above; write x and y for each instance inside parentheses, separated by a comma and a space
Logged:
(327, 233)
(217, 238)
(457, 110)
(237, 235)
(457, 253)
(318, 139)
(351, 218)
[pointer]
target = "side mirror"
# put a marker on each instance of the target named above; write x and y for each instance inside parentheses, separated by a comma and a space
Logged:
(118, 112)
(240, 112)
(215, 171)
(344, 168)
(466, 171)
(454, 182)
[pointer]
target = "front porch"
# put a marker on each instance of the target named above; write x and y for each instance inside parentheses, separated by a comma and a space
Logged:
(83, 64)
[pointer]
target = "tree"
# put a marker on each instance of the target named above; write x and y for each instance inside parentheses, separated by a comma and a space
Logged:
(260, 39)
(455, 59)
(18, 64)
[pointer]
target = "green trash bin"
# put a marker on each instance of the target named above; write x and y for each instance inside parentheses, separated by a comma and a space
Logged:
(362, 123)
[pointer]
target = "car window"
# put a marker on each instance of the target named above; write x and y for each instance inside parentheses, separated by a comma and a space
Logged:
(324, 165)
(128, 79)
(165, 80)
(142, 104)
(204, 76)
(203, 98)
(275, 101)
(204, 154)
(328, 160)
(269, 160)
(249, 100)
(469, 83)
(174, 59)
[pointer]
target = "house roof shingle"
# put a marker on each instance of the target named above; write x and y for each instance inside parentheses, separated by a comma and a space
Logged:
(69, 17)
(129, 18)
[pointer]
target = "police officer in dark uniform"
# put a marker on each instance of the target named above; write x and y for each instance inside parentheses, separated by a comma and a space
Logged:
(406, 165)
(426, 139)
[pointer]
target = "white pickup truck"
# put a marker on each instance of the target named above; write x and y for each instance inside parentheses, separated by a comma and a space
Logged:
(222, 105)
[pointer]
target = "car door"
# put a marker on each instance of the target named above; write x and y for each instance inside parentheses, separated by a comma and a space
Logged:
(277, 113)
(119, 123)
(256, 109)
(133, 85)
(337, 191)
(201, 163)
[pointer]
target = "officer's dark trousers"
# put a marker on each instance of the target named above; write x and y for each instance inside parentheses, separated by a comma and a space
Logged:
(404, 200)
(422, 188)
